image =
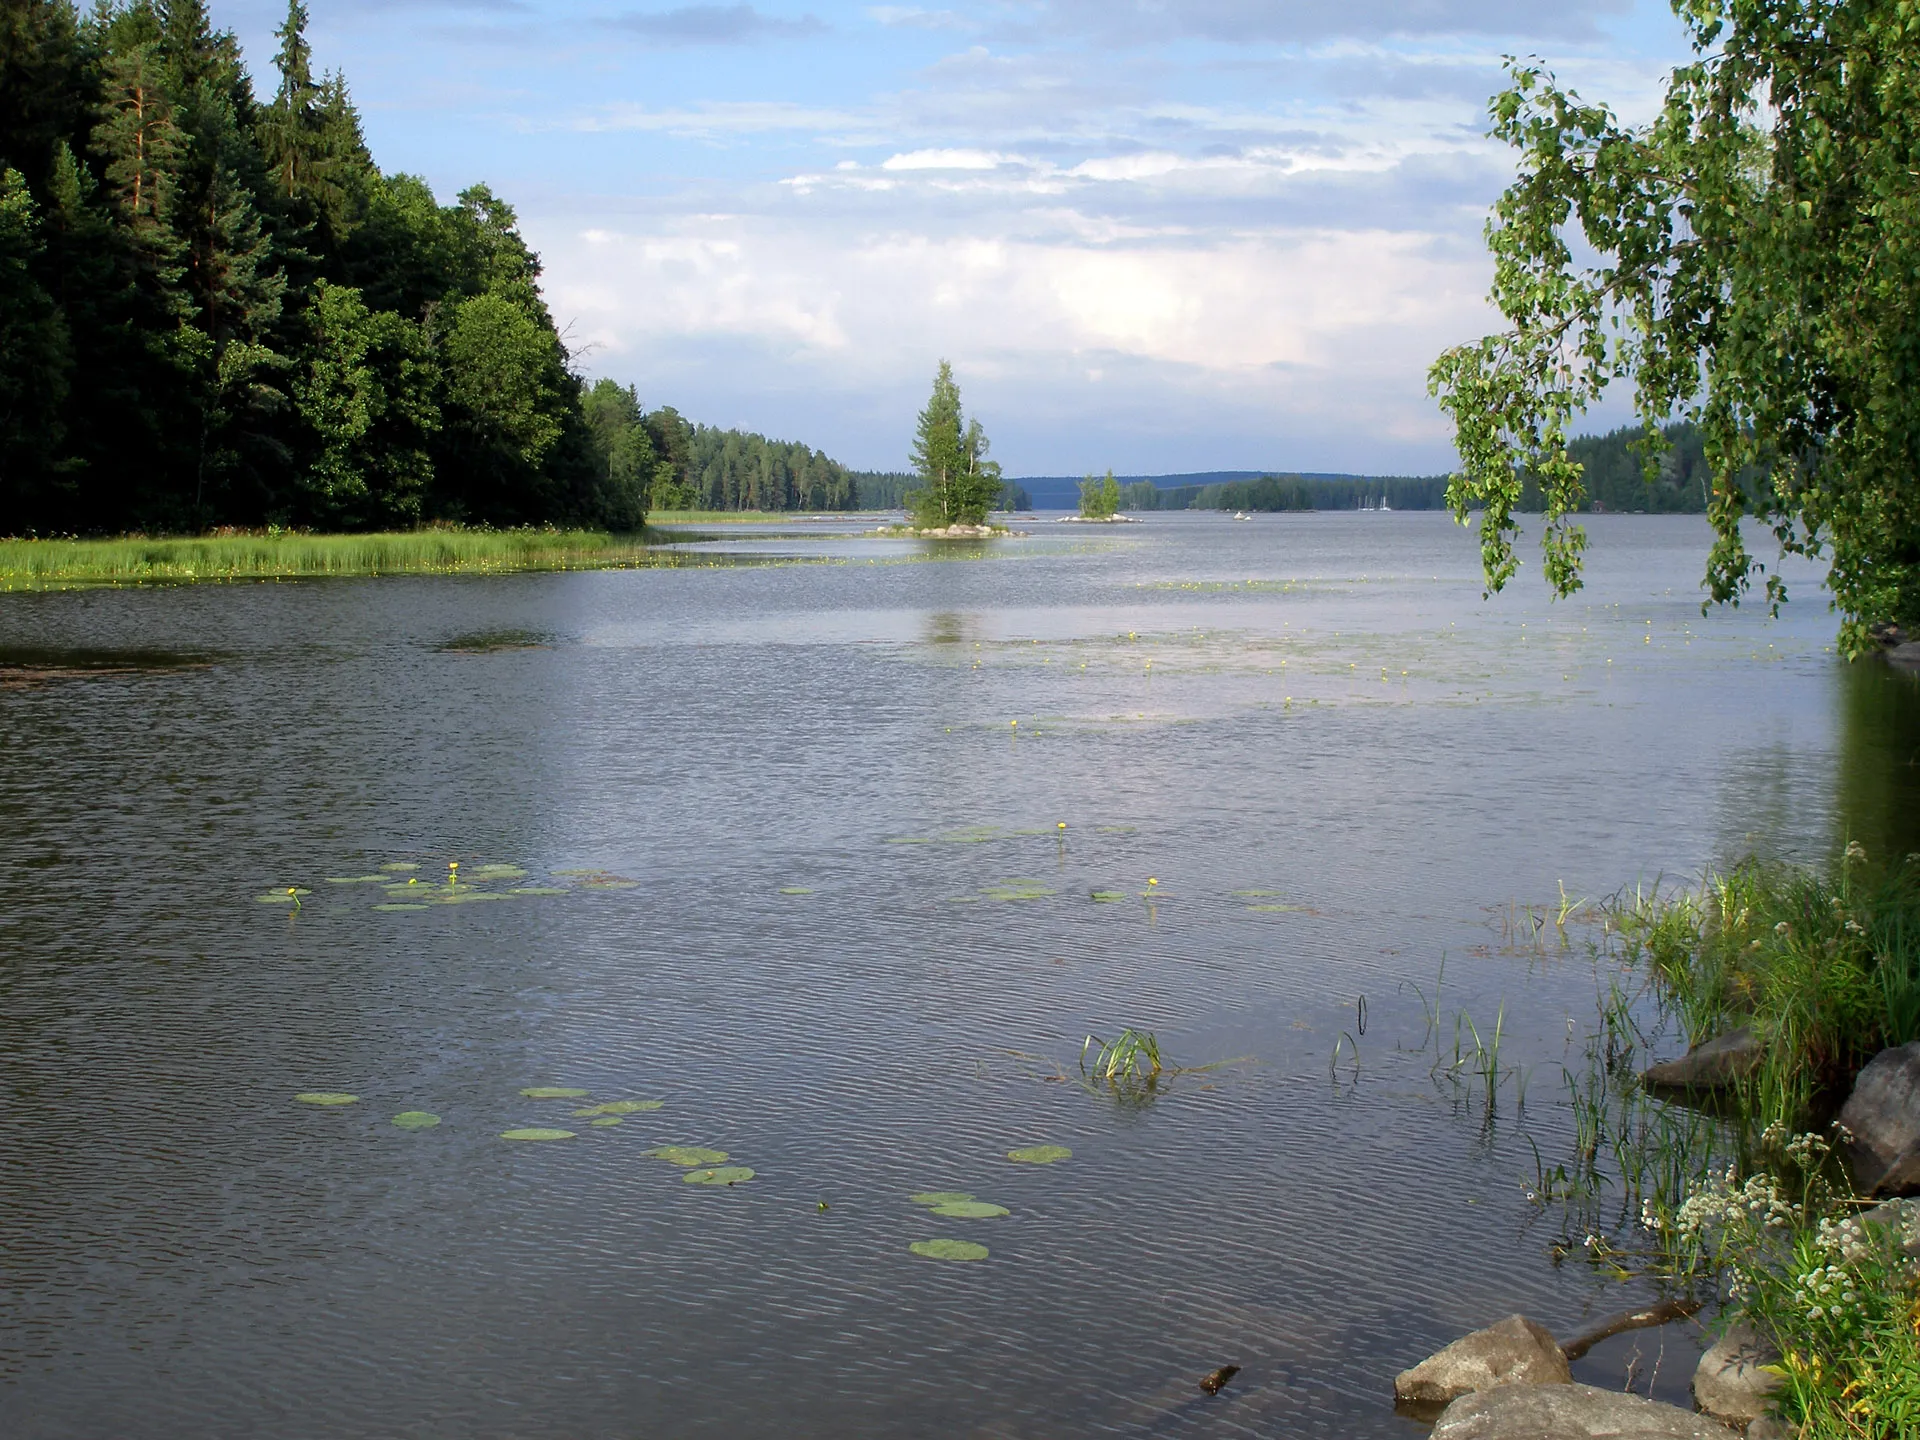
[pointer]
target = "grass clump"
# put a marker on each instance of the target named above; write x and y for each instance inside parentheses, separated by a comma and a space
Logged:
(1824, 967)
(279, 554)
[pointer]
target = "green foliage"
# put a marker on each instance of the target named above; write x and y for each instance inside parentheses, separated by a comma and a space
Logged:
(958, 483)
(215, 311)
(1753, 273)
(1099, 499)
(1290, 492)
(1825, 968)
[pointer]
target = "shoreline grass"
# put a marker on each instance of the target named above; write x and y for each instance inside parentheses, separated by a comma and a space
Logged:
(133, 560)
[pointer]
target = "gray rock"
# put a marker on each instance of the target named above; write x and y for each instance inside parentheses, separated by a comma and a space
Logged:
(1902, 1217)
(1514, 1352)
(1570, 1412)
(1905, 657)
(1719, 1061)
(1769, 1427)
(1883, 1113)
(1729, 1383)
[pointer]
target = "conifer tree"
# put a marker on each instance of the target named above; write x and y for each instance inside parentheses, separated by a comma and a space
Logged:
(958, 484)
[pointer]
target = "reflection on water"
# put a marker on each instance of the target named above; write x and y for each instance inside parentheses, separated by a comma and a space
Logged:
(1879, 779)
(794, 867)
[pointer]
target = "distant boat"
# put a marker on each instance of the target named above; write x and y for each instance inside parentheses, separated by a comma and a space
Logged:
(1383, 503)
(1241, 515)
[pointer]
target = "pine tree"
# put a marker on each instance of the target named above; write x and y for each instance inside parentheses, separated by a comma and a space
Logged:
(958, 484)
(35, 359)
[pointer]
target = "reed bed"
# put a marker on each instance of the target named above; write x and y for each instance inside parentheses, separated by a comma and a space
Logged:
(62, 564)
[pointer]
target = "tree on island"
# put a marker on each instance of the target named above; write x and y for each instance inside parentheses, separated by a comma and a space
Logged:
(1099, 499)
(1756, 269)
(958, 483)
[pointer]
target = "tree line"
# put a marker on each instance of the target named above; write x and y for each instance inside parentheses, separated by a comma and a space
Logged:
(216, 309)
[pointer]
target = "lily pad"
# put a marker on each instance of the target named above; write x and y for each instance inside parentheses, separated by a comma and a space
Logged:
(282, 897)
(325, 1097)
(355, 879)
(1018, 890)
(537, 1132)
(688, 1155)
(400, 907)
(416, 1120)
(949, 1249)
(395, 866)
(718, 1175)
(612, 882)
(494, 872)
(605, 1120)
(1107, 897)
(466, 897)
(538, 890)
(941, 1197)
(552, 1092)
(970, 1210)
(795, 890)
(619, 1107)
(1039, 1154)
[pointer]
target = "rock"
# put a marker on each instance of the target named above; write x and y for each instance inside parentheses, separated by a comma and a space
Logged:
(1902, 1217)
(1514, 1352)
(1905, 656)
(1769, 1427)
(1883, 1115)
(1729, 1383)
(1570, 1412)
(1719, 1061)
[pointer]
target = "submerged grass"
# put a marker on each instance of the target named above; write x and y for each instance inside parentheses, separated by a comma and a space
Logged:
(60, 564)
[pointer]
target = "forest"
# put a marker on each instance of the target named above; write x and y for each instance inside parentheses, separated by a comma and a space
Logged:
(215, 309)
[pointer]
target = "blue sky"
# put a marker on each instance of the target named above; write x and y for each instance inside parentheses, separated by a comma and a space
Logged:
(1157, 235)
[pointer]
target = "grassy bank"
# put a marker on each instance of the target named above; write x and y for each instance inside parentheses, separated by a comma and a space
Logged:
(61, 564)
(1747, 1198)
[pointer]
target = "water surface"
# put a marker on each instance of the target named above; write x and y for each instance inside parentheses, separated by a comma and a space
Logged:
(816, 898)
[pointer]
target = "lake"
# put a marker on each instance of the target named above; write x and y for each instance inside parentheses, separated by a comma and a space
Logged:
(798, 803)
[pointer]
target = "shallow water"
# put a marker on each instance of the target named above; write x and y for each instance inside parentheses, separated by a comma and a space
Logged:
(859, 956)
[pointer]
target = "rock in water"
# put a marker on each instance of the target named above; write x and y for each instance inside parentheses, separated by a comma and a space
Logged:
(1570, 1412)
(1514, 1352)
(1719, 1061)
(1729, 1383)
(1883, 1114)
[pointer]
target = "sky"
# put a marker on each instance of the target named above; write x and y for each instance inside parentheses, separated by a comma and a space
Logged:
(1153, 235)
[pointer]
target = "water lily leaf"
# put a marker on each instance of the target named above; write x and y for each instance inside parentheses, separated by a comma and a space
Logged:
(399, 907)
(719, 1175)
(1277, 909)
(552, 1092)
(580, 871)
(398, 865)
(416, 1120)
(538, 890)
(795, 890)
(537, 1133)
(495, 872)
(949, 1249)
(1107, 897)
(970, 1210)
(941, 1197)
(1018, 890)
(619, 1107)
(325, 1097)
(604, 1120)
(610, 883)
(355, 879)
(688, 1155)
(464, 896)
(1039, 1154)
(282, 897)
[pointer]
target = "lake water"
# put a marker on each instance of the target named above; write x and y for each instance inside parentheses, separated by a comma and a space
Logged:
(1309, 762)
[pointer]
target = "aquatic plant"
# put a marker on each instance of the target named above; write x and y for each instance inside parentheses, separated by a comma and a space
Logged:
(718, 1175)
(326, 1097)
(615, 1107)
(537, 1132)
(552, 1092)
(1134, 1055)
(949, 1249)
(416, 1120)
(1040, 1155)
(688, 1155)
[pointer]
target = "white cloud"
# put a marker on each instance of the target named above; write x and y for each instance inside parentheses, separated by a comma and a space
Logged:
(948, 160)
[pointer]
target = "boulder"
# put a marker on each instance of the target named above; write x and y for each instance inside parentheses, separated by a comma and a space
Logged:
(1730, 1384)
(1905, 656)
(1902, 1217)
(1770, 1427)
(1514, 1352)
(1883, 1115)
(1719, 1061)
(1570, 1412)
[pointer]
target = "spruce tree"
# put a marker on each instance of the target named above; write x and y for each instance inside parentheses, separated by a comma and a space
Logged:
(958, 484)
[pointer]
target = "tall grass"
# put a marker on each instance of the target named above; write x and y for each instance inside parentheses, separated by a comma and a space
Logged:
(60, 564)
(1825, 967)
